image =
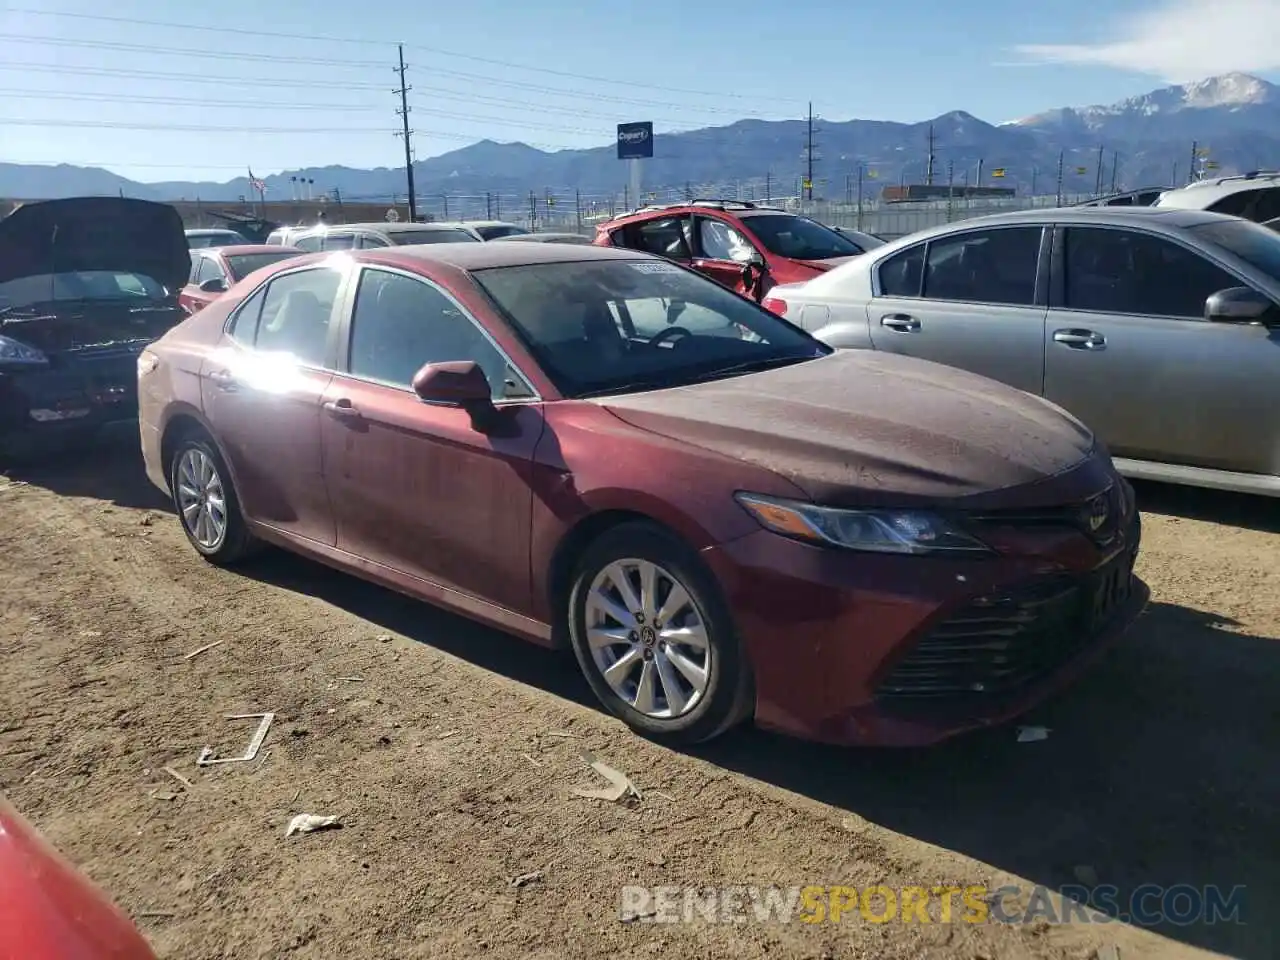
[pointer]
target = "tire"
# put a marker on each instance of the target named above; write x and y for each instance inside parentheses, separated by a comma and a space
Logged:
(197, 504)
(700, 636)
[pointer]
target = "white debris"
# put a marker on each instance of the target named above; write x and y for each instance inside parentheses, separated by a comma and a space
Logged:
(1032, 734)
(620, 784)
(310, 823)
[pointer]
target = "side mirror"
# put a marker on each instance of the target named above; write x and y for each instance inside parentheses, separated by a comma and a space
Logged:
(214, 285)
(1237, 305)
(458, 383)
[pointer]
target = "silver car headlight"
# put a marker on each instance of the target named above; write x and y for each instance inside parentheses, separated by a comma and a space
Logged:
(876, 531)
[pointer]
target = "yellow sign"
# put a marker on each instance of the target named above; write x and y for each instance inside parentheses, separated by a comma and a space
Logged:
(872, 174)
(808, 184)
(998, 172)
(1082, 169)
(1211, 165)
(1202, 151)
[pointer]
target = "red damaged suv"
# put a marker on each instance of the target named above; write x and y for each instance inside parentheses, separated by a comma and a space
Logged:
(746, 247)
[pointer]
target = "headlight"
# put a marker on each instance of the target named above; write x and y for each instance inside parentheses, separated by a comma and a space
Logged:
(15, 354)
(877, 531)
(147, 361)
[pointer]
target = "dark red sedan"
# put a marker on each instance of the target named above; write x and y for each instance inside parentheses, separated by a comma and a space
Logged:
(600, 449)
(215, 270)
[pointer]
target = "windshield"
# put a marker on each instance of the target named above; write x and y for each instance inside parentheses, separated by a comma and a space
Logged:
(403, 238)
(86, 285)
(493, 233)
(243, 264)
(1252, 243)
(798, 237)
(617, 326)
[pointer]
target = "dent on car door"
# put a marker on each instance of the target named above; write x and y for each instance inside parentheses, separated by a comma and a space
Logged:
(1128, 350)
(973, 300)
(261, 391)
(421, 488)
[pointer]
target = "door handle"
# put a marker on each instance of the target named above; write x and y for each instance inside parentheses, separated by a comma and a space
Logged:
(342, 408)
(1080, 339)
(900, 321)
(223, 380)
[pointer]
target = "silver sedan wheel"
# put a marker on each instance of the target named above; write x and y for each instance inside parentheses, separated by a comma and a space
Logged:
(648, 638)
(202, 499)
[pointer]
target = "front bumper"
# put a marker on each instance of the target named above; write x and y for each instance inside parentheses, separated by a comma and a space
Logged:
(44, 406)
(857, 648)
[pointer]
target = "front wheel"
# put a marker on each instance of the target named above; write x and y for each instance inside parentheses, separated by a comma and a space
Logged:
(654, 637)
(206, 501)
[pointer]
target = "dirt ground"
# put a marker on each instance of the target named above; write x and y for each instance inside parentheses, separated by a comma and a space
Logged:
(452, 760)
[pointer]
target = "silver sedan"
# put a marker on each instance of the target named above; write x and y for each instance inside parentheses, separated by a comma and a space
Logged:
(1160, 329)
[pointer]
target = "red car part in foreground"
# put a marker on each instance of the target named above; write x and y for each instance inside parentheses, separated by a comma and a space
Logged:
(600, 449)
(49, 910)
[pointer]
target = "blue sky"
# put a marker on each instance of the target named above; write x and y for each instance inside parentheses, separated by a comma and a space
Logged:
(157, 102)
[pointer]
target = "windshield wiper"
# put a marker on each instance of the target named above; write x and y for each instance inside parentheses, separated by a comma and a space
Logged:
(632, 387)
(750, 366)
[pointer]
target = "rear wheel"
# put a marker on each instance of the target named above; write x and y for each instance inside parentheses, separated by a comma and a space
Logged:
(654, 637)
(206, 501)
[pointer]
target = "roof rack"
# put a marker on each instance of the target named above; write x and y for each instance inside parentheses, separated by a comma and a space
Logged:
(1251, 175)
(710, 203)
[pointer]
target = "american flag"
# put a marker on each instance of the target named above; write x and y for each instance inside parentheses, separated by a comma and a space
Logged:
(255, 183)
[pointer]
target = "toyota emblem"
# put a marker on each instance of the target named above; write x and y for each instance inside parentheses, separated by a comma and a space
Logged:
(1099, 512)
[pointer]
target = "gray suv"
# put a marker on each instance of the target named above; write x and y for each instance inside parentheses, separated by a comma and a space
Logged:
(1158, 328)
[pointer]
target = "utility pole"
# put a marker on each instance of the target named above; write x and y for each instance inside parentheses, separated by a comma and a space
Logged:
(1097, 182)
(533, 209)
(1061, 160)
(861, 171)
(808, 157)
(1191, 171)
(1115, 164)
(978, 178)
(928, 170)
(768, 186)
(488, 205)
(444, 199)
(1035, 173)
(951, 189)
(408, 135)
(577, 207)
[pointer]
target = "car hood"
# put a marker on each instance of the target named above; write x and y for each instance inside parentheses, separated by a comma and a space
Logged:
(95, 233)
(858, 428)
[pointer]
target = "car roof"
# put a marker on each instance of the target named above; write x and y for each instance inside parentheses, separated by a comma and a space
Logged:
(1204, 193)
(206, 231)
(240, 249)
(470, 223)
(483, 256)
(381, 226)
(1141, 217)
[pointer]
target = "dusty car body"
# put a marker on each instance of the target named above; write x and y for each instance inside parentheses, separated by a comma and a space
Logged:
(85, 283)
(845, 546)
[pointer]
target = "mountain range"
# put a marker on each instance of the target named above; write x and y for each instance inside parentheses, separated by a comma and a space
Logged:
(1143, 141)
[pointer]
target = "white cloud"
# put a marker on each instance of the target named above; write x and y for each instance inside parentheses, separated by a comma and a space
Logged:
(1181, 40)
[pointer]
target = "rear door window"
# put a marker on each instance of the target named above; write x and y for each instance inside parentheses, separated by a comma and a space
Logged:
(311, 244)
(984, 266)
(1127, 272)
(1256, 205)
(339, 241)
(664, 236)
(296, 314)
(718, 240)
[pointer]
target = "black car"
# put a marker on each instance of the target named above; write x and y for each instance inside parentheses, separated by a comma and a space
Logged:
(85, 284)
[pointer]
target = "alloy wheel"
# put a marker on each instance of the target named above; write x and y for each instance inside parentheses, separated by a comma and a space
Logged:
(201, 498)
(648, 638)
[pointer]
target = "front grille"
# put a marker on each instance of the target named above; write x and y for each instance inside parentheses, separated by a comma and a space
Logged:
(1101, 518)
(1000, 643)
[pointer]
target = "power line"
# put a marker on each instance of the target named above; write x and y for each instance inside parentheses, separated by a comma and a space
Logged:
(283, 105)
(267, 81)
(442, 93)
(187, 128)
(240, 31)
(185, 51)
